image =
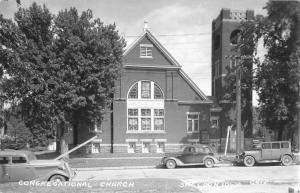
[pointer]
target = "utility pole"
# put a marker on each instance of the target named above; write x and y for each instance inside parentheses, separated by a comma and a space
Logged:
(298, 103)
(298, 117)
(238, 107)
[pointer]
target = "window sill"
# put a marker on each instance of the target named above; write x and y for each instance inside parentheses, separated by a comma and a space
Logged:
(151, 131)
(192, 131)
(146, 57)
(97, 132)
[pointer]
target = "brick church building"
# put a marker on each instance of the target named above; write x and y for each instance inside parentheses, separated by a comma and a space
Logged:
(157, 107)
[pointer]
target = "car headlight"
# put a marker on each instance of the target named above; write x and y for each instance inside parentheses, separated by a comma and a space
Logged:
(242, 155)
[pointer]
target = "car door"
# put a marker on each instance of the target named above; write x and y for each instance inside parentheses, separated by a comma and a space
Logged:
(4, 166)
(201, 152)
(20, 169)
(276, 153)
(266, 151)
(187, 155)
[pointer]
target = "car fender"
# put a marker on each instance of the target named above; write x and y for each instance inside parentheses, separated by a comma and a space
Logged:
(178, 161)
(255, 154)
(211, 157)
(54, 172)
(292, 156)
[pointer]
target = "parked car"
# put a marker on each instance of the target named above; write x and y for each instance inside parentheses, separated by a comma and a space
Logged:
(191, 155)
(16, 165)
(268, 152)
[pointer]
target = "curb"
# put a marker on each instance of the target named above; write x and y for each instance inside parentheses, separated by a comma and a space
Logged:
(136, 167)
(116, 158)
(115, 168)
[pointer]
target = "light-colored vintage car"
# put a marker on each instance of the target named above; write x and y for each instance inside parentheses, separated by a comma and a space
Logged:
(16, 165)
(191, 155)
(267, 152)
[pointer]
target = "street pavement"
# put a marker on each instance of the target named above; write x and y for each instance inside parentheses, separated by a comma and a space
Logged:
(231, 179)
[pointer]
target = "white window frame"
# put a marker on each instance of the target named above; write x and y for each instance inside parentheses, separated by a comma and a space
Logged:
(214, 118)
(146, 50)
(133, 117)
(193, 125)
(152, 87)
(96, 141)
(146, 103)
(159, 117)
(132, 88)
(129, 149)
(158, 149)
(150, 116)
(94, 149)
(146, 150)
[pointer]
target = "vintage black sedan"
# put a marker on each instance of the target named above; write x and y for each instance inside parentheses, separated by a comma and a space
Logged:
(191, 155)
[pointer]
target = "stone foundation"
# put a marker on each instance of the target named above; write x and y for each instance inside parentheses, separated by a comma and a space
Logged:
(217, 145)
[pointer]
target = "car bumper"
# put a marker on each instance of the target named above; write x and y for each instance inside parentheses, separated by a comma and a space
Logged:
(73, 174)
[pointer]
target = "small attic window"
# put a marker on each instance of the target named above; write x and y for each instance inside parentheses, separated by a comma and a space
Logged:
(146, 50)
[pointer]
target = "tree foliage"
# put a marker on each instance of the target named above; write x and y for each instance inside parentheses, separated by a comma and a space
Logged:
(276, 78)
(26, 51)
(278, 75)
(61, 69)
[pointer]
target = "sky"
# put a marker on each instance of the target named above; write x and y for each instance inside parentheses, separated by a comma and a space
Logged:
(183, 27)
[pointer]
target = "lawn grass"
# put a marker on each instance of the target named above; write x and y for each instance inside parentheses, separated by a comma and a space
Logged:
(91, 163)
(156, 185)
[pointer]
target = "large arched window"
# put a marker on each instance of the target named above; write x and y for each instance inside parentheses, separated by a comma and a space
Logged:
(145, 90)
(145, 107)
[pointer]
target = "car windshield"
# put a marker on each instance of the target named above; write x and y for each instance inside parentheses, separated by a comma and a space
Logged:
(256, 146)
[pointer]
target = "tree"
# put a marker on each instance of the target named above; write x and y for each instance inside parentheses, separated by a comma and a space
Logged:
(88, 63)
(278, 76)
(25, 54)
(65, 70)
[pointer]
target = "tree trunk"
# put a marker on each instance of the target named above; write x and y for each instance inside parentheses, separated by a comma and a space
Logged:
(64, 144)
(63, 139)
(279, 136)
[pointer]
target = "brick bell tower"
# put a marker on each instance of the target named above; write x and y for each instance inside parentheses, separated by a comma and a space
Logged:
(225, 30)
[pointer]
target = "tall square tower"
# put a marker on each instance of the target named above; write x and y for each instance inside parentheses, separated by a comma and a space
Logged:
(225, 32)
(225, 29)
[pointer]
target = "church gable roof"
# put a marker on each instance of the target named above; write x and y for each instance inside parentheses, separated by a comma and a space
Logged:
(161, 58)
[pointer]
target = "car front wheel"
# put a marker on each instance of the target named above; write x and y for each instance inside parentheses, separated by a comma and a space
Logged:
(57, 178)
(209, 163)
(249, 161)
(171, 164)
(286, 160)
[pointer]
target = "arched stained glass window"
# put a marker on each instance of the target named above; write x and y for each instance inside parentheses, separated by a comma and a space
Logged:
(157, 92)
(133, 93)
